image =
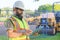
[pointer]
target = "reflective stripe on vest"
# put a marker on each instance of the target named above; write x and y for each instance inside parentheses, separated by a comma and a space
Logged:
(21, 24)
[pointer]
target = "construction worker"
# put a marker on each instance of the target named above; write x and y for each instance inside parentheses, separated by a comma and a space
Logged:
(17, 26)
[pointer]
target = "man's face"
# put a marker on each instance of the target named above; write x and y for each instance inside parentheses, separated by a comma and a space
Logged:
(17, 11)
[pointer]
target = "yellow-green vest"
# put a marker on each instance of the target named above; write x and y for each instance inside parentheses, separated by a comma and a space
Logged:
(23, 25)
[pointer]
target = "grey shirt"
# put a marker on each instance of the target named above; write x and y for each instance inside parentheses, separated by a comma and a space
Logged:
(8, 24)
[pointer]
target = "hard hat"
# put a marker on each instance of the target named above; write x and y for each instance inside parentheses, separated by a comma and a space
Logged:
(18, 4)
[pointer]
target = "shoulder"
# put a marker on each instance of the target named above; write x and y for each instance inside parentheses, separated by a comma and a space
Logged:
(8, 23)
(8, 20)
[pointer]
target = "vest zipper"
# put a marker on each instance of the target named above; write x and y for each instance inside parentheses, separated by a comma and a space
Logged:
(25, 30)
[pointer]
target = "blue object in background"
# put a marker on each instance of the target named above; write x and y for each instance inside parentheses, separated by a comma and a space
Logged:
(44, 21)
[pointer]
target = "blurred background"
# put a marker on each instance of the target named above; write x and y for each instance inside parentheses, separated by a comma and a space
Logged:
(35, 11)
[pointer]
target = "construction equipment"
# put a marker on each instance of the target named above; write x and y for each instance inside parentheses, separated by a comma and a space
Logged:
(46, 27)
(52, 20)
(56, 10)
(47, 24)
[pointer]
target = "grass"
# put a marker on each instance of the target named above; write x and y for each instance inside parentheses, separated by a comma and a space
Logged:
(3, 38)
(54, 37)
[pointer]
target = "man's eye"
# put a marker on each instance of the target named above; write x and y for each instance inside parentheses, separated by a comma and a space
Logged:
(17, 8)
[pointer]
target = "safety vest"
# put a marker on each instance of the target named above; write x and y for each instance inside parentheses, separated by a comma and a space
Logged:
(21, 26)
(17, 22)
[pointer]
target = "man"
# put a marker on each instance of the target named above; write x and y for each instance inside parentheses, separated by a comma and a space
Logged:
(17, 26)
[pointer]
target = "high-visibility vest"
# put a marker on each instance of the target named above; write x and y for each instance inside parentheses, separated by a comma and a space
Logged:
(17, 22)
(21, 24)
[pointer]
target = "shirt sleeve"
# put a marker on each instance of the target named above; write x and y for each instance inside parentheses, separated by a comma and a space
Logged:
(8, 24)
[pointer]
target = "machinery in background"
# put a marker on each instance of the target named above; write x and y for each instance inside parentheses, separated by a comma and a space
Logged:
(56, 10)
(45, 27)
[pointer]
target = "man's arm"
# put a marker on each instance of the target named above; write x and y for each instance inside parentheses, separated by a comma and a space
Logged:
(9, 27)
(13, 34)
(28, 31)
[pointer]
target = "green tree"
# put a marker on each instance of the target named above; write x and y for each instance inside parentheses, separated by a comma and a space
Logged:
(45, 8)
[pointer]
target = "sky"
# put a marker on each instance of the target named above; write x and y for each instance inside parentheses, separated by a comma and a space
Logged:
(29, 4)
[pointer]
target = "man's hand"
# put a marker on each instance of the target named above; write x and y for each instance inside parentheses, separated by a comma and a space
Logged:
(28, 32)
(13, 34)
